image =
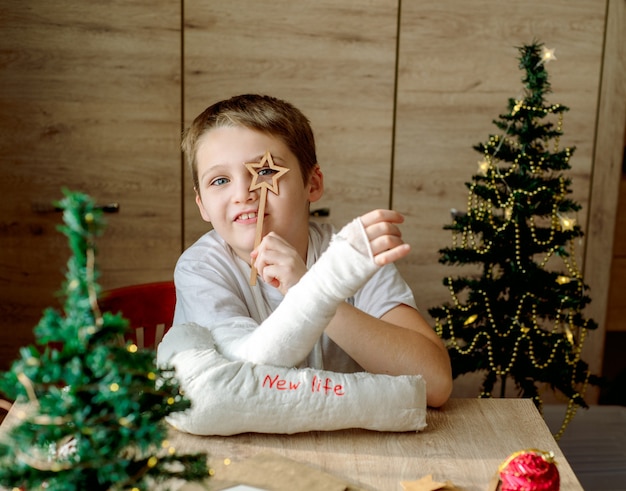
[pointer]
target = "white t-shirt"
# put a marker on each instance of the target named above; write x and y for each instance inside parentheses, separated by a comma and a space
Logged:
(212, 284)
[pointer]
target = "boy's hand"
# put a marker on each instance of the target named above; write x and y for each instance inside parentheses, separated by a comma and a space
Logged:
(384, 236)
(278, 263)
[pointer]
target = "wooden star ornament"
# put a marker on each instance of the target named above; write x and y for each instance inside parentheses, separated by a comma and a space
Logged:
(426, 483)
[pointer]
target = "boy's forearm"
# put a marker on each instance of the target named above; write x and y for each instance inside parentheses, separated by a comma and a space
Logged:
(380, 346)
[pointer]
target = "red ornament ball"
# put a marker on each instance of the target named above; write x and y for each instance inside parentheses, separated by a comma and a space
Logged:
(529, 470)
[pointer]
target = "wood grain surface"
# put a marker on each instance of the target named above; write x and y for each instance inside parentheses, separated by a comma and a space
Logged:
(464, 442)
(89, 100)
(335, 61)
(606, 238)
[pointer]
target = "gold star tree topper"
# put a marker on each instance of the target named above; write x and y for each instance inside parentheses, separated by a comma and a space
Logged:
(547, 54)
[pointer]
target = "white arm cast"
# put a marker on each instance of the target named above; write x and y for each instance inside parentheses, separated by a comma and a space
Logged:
(229, 397)
(288, 335)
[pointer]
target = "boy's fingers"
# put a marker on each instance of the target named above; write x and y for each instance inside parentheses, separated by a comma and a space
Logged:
(392, 255)
(385, 243)
(377, 216)
(382, 229)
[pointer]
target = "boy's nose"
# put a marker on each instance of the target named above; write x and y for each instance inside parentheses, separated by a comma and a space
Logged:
(243, 191)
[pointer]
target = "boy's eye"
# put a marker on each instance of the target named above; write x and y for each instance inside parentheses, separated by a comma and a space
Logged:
(219, 181)
(267, 171)
(265, 175)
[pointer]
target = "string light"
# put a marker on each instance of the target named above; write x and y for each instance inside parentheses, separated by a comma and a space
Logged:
(569, 334)
(567, 224)
(483, 167)
(563, 280)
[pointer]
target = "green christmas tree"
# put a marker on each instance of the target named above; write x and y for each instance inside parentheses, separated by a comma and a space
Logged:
(91, 407)
(520, 315)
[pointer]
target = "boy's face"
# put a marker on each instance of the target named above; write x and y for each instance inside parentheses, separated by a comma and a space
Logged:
(224, 198)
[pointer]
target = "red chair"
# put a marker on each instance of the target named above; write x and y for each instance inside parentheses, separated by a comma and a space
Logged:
(148, 307)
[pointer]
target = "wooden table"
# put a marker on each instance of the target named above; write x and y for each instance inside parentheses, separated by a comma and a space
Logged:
(464, 442)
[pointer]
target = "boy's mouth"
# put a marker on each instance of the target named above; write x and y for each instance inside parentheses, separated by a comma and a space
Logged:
(246, 216)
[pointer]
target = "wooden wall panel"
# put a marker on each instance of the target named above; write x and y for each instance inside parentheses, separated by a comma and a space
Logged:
(457, 68)
(616, 306)
(616, 311)
(606, 238)
(333, 60)
(89, 100)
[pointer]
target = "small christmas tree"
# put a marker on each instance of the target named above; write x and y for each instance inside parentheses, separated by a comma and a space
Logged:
(93, 407)
(521, 314)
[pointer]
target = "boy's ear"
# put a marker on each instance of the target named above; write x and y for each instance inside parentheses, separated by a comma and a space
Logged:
(203, 212)
(316, 184)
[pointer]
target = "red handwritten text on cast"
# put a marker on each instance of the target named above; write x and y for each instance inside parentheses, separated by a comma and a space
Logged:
(318, 385)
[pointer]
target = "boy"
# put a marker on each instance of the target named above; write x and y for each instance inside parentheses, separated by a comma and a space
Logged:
(351, 312)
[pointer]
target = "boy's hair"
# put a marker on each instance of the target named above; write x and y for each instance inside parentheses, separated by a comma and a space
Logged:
(257, 112)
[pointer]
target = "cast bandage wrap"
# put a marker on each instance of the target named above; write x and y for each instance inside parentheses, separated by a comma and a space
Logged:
(288, 335)
(230, 397)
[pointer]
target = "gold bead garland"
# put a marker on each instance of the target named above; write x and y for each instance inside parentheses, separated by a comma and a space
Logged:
(515, 325)
(576, 351)
(519, 104)
(454, 343)
(483, 210)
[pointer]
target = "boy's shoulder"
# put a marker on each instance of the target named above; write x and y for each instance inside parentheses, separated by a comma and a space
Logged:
(320, 235)
(322, 228)
(205, 246)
